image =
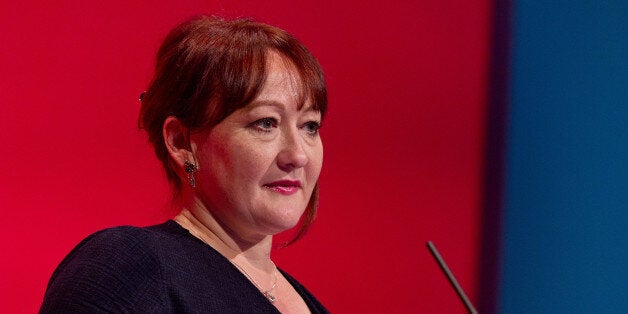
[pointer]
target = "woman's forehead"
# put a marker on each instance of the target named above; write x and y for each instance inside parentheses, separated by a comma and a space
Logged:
(283, 77)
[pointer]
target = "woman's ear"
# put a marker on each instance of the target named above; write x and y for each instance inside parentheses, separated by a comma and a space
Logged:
(177, 140)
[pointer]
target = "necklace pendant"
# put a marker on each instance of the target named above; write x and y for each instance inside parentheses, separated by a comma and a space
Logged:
(270, 296)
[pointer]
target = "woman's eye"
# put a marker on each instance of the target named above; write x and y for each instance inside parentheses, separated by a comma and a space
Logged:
(312, 127)
(265, 124)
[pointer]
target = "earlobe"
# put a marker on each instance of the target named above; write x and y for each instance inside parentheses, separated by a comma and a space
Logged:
(177, 140)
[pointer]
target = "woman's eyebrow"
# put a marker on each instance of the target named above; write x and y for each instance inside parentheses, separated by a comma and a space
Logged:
(279, 105)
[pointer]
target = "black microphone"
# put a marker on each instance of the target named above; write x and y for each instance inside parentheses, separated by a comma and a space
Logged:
(451, 278)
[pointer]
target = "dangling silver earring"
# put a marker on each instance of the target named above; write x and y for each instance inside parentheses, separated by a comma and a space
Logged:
(189, 169)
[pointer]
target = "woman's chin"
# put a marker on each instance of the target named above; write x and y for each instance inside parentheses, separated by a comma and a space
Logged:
(279, 223)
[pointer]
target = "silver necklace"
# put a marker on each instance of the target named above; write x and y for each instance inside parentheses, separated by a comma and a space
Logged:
(267, 293)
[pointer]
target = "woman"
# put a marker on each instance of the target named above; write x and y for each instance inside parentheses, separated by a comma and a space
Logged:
(233, 113)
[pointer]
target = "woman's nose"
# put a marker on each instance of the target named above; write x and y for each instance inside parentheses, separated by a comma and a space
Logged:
(292, 154)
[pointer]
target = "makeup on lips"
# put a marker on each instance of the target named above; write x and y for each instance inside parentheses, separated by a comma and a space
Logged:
(286, 187)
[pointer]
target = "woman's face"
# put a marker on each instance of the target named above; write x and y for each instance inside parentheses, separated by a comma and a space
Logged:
(258, 167)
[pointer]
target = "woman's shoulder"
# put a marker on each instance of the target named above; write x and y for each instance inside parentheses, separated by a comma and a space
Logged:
(119, 238)
(120, 244)
(110, 269)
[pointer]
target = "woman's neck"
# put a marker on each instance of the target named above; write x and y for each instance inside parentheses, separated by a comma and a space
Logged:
(202, 224)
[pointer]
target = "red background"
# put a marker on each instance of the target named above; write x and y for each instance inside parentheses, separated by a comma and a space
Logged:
(403, 140)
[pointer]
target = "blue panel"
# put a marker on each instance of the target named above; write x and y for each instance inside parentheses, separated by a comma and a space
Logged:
(566, 219)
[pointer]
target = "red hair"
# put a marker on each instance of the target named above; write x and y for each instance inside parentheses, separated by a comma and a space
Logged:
(209, 67)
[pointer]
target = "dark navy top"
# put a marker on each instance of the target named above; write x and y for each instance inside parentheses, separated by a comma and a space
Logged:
(157, 269)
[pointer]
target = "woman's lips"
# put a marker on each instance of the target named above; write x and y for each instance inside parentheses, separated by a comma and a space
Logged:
(285, 187)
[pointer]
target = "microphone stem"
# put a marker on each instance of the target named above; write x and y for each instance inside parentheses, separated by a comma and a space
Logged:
(451, 278)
